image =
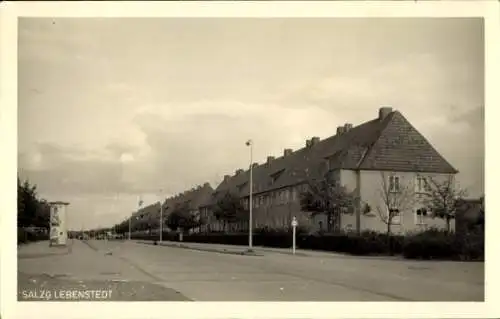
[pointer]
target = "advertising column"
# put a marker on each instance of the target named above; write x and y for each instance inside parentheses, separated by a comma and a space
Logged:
(58, 227)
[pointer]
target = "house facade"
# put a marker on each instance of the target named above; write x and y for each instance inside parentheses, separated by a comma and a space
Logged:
(384, 162)
(148, 217)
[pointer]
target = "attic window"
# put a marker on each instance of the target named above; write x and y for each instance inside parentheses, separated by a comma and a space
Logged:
(276, 175)
(240, 187)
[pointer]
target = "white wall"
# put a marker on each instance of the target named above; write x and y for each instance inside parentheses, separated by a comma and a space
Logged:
(370, 191)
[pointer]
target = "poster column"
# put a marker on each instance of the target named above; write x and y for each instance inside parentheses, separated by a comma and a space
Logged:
(58, 226)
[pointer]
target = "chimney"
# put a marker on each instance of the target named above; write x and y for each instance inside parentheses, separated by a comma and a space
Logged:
(288, 151)
(308, 143)
(254, 165)
(239, 171)
(314, 140)
(270, 159)
(226, 177)
(347, 127)
(340, 130)
(206, 185)
(383, 112)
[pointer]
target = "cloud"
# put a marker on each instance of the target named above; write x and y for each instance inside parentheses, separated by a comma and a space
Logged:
(132, 113)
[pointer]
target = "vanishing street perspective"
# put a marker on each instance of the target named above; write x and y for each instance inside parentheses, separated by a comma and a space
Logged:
(251, 159)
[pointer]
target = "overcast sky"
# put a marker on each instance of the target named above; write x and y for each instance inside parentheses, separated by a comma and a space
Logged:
(111, 109)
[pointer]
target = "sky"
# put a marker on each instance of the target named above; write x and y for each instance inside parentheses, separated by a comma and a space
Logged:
(113, 109)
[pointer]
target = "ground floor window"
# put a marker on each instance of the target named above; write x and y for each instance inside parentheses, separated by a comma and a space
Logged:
(421, 216)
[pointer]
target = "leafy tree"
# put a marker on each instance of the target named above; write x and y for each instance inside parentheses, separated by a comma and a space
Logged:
(395, 197)
(182, 219)
(229, 210)
(444, 198)
(31, 211)
(481, 218)
(327, 196)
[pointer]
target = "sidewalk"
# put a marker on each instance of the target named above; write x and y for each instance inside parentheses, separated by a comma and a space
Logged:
(222, 249)
(42, 249)
(259, 250)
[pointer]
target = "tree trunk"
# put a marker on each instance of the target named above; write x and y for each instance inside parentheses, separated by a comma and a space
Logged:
(448, 224)
(329, 221)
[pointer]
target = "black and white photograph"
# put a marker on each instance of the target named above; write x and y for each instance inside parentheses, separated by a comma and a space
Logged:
(250, 159)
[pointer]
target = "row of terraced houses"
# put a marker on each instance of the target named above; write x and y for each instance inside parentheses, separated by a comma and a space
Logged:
(358, 157)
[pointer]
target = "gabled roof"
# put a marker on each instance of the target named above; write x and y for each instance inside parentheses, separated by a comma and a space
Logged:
(401, 147)
(195, 198)
(384, 143)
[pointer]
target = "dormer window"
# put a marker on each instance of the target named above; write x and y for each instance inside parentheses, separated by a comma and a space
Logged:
(241, 186)
(274, 176)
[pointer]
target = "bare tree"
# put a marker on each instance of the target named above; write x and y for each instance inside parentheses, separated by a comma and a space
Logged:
(443, 198)
(395, 196)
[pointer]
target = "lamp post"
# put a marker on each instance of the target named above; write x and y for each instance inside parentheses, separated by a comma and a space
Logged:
(250, 217)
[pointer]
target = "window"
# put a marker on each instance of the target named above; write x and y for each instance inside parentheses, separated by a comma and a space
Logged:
(420, 216)
(394, 186)
(396, 215)
(287, 195)
(422, 185)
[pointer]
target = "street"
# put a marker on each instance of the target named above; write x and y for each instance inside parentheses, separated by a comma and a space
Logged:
(171, 273)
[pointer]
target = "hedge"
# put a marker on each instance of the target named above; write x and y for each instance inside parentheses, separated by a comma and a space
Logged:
(367, 243)
(24, 236)
(439, 245)
(431, 244)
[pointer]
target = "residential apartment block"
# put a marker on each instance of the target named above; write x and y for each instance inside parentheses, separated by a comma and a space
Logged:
(384, 153)
(148, 217)
(377, 161)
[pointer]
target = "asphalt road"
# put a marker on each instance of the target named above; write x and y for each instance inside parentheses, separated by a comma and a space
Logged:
(269, 276)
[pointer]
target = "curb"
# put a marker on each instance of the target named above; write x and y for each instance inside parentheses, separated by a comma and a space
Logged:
(213, 250)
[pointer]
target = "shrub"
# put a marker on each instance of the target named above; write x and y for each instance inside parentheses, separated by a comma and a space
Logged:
(24, 236)
(438, 244)
(431, 244)
(366, 243)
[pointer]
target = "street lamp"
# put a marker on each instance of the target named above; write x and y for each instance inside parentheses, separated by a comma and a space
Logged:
(250, 221)
(130, 219)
